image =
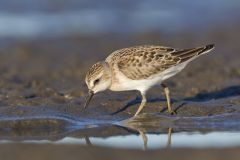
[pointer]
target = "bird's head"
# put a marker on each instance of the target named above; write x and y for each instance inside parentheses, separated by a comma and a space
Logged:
(98, 78)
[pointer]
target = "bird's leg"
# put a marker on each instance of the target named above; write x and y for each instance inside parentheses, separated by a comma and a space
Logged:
(169, 142)
(144, 100)
(88, 142)
(167, 93)
(145, 139)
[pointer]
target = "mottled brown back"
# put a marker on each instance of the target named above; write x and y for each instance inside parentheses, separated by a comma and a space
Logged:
(141, 62)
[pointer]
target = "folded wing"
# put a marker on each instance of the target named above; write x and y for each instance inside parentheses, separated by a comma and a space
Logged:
(142, 62)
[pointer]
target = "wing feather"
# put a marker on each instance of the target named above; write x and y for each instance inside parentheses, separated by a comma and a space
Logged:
(141, 62)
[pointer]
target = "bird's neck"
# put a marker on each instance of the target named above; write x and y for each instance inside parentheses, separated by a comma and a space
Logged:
(108, 71)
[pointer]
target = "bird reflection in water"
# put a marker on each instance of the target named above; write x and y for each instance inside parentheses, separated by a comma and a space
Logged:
(145, 139)
(143, 136)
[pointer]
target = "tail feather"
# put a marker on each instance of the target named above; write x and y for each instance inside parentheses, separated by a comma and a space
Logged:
(187, 54)
(207, 48)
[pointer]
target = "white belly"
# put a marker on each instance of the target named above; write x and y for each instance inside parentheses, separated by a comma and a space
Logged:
(124, 83)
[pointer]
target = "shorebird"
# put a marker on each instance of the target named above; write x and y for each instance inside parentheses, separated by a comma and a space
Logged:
(140, 68)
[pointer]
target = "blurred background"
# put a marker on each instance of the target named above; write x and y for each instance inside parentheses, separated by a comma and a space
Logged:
(57, 18)
(132, 22)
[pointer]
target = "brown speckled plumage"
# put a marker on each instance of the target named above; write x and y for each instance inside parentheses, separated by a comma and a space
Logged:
(141, 62)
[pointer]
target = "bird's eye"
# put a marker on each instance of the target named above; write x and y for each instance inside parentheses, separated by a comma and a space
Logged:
(96, 81)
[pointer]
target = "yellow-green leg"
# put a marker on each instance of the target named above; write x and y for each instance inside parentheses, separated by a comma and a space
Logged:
(145, 139)
(167, 94)
(143, 103)
(169, 142)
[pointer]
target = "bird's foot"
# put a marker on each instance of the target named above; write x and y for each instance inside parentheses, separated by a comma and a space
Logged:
(172, 112)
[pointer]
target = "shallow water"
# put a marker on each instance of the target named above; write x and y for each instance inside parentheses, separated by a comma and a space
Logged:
(147, 131)
(152, 141)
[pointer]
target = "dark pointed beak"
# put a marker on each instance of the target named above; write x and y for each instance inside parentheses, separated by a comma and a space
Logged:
(88, 98)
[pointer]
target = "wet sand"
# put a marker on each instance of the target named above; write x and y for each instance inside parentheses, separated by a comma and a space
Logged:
(42, 91)
(61, 152)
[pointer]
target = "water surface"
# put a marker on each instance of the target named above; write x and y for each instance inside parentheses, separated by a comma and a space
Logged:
(153, 141)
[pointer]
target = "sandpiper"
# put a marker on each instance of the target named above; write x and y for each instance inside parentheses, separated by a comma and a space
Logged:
(140, 68)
